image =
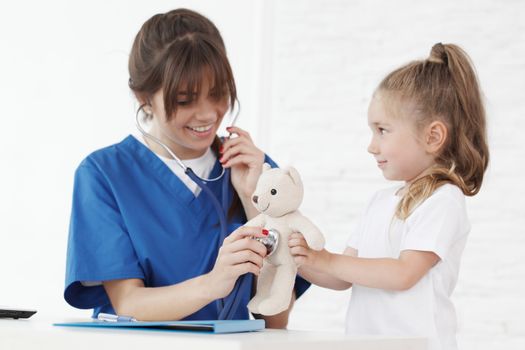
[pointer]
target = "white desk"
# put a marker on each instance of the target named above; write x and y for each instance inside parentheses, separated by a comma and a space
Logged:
(38, 333)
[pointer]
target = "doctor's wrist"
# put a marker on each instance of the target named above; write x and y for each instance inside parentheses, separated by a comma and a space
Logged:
(207, 289)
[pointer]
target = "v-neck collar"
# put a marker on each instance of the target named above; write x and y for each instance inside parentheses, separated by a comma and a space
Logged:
(151, 163)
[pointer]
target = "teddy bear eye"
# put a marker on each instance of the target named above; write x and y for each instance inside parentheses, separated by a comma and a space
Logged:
(273, 191)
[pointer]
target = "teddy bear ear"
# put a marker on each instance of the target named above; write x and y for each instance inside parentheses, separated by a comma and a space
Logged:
(266, 166)
(294, 174)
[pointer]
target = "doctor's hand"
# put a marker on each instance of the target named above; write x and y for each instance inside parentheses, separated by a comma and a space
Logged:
(245, 160)
(238, 255)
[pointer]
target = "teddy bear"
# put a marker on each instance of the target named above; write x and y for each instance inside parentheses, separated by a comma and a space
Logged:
(278, 195)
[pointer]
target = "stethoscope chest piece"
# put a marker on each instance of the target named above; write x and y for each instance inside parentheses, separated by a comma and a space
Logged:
(270, 242)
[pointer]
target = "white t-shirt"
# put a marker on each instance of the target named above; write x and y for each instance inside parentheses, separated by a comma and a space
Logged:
(440, 225)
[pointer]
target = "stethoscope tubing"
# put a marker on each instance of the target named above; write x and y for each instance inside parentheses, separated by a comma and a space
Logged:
(228, 305)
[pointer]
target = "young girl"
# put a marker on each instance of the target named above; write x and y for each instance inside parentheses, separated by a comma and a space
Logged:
(144, 240)
(428, 130)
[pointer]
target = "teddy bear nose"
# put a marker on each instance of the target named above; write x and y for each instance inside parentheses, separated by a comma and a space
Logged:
(255, 199)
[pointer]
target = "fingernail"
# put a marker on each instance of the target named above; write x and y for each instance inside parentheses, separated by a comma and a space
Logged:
(265, 232)
(221, 160)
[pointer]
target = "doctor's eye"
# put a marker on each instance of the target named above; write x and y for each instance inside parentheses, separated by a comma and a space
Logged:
(273, 191)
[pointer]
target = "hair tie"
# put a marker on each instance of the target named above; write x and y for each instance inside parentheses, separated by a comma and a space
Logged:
(438, 54)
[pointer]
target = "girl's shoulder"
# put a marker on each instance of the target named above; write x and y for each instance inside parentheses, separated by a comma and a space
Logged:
(447, 201)
(447, 194)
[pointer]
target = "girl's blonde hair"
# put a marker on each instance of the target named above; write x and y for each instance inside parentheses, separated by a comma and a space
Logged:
(444, 87)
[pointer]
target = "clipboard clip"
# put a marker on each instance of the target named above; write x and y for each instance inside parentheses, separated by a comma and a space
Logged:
(114, 318)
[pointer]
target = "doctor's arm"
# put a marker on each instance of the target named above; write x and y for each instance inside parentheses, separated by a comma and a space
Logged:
(385, 273)
(239, 255)
(245, 160)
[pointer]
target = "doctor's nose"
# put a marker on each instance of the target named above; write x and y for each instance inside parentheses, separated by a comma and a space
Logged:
(255, 199)
(207, 111)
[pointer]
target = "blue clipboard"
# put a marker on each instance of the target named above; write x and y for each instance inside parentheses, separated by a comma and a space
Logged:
(211, 326)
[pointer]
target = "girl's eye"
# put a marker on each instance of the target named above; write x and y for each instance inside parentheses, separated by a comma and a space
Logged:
(381, 131)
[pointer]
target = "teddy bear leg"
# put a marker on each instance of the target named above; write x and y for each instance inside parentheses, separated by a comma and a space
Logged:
(281, 291)
(264, 284)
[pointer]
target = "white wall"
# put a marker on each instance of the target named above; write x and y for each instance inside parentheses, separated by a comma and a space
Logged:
(63, 87)
(305, 70)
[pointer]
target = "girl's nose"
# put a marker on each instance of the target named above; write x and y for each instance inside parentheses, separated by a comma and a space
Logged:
(372, 148)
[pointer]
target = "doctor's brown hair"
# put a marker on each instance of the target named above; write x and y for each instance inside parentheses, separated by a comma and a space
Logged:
(444, 87)
(175, 52)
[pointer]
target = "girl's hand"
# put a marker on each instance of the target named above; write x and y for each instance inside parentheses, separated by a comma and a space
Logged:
(239, 254)
(306, 257)
(245, 160)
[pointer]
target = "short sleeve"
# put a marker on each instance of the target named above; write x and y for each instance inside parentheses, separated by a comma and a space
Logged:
(438, 223)
(301, 285)
(99, 248)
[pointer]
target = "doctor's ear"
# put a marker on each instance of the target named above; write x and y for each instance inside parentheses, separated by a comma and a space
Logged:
(144, 103)
(436, 134)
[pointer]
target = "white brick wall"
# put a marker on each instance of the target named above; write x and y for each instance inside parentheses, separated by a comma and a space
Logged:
(327, 57)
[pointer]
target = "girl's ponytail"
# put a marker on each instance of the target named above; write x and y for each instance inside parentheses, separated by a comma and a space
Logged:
(445, 87)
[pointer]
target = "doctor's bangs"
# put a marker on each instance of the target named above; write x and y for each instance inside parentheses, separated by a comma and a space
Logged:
(188, 61)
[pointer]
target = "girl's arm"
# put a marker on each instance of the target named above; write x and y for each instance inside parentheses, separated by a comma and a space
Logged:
(312, 275)
(238, 255)
(383, 273)
(325, 280)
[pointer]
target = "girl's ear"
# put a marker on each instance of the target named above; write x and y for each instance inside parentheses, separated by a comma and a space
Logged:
(436, 136)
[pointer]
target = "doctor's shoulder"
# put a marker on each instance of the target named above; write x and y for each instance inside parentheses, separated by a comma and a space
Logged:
(104, 159)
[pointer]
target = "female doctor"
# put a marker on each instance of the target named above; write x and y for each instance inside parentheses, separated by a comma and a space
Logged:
(144, 238)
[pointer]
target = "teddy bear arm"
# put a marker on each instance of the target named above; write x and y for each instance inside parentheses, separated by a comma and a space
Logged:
(258, 221)
(311, 233)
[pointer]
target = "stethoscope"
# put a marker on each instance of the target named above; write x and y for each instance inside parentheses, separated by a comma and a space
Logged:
(228, 305)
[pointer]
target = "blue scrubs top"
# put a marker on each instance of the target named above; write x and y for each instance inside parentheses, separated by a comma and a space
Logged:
(132, 217)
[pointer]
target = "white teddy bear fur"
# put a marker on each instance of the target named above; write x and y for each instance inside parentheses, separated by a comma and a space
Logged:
(277, 197)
